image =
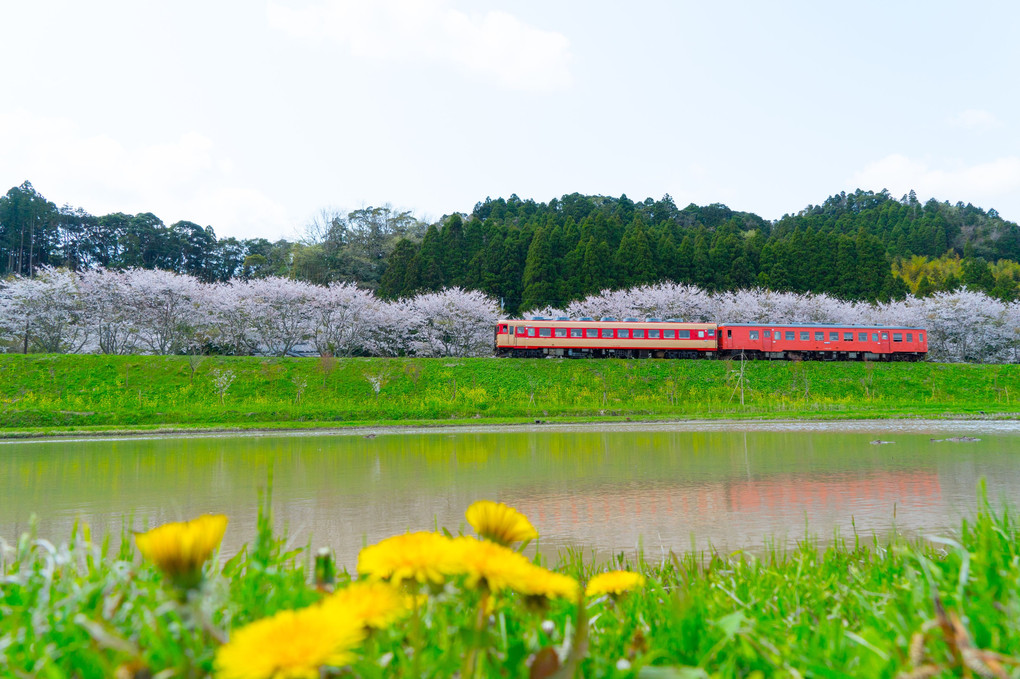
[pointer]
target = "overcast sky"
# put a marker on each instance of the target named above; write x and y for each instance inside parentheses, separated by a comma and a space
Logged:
(251, 116)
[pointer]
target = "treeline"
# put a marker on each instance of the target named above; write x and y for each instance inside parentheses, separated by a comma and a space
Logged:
(533, 255)
(527, 255)
(35, 233)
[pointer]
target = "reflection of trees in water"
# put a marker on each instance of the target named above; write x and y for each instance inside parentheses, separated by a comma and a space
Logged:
(601, 489)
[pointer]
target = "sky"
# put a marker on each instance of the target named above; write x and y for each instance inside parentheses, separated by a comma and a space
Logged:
(253, 116)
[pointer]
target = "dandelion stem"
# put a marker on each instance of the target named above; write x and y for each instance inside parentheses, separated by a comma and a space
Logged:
(473, 657)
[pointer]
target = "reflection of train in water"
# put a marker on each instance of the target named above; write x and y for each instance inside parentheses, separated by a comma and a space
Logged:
(735, 512)
(538, 337)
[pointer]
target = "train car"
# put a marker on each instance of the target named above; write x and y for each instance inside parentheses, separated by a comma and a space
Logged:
(822, 342)
(606, 338)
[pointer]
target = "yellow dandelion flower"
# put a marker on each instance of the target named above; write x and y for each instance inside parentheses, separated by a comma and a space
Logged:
(422, 557)
(375, 604)
(614, 583)
(500, 523)
(290, 645)
(179, 549)
(541, 582)
(490, 564)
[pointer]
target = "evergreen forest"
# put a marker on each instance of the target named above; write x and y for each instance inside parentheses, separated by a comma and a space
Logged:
(530, 255)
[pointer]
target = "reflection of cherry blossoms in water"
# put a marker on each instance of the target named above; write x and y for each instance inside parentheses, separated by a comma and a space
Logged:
(606, 488)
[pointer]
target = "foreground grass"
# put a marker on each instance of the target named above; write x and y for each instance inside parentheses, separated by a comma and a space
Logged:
(948, 607)
(78, 393)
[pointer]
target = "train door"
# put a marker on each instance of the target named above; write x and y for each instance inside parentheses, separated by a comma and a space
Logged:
(883, 344)
(766, 341)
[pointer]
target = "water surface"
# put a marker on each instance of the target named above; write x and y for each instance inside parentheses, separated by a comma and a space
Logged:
(607, 488)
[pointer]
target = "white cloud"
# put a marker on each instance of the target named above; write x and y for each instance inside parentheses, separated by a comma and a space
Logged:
(975, 119)
(182, 178)
(991, 184)
(494, 44)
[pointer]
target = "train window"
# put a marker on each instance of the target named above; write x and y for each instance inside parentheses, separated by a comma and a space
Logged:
(768, 333)
(683, 334)
(669, 334)
(653, 334)
(819, 336)
(848, 337)
(805, 335)
(701, 333)
(885, 335)
(910, 337)
(639, 334)
(521, 332)
(753, 334)
(897, 337)
(545, 332)
(622, 333)
(833, 336)
(862, 337)
(501, 330)
(591, 332)
(874, 337)
(729, 333)
(575, 332)
(607, 333)
(561, 332)
(920, 337)
(788, 335)
(531, 332)
(711, 332)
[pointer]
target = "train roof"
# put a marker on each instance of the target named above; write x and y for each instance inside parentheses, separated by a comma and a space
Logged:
(819, 325)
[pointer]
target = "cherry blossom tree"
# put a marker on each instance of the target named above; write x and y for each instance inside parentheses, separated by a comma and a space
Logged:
(389, 326)
(964, 325)
(344, 316)
(282, 313)
(452, 322)
(231, 318)
(45, 312)
(662, 300)
(106, 295)
(166, 307)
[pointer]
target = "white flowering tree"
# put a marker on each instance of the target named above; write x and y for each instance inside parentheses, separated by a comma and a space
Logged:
(282, 313)
(662, 300)
(452, 322)
(344, 318)
(231, 318)
(45, 312)
(967, 326)
(388, 328)
(106, 295)
(167, 309)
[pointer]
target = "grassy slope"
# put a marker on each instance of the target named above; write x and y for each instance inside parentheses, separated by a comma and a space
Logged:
(110, 392)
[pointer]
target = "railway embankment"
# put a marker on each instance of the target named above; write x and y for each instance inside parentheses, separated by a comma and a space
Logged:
(52, 394)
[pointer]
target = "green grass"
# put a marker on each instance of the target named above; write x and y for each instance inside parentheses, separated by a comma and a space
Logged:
(857, 608)
(47, 394)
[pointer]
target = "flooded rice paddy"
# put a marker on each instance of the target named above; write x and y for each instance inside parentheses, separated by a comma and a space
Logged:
(606, 488)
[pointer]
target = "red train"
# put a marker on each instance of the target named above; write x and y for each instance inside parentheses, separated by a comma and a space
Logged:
(653, 338)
